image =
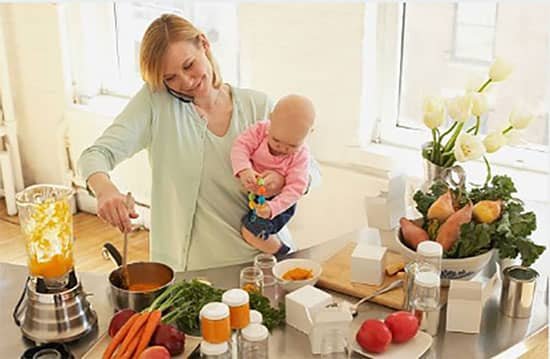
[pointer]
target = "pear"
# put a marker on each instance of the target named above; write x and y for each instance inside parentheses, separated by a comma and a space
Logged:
(487, 211)
(412, 233)
(442, 208)
(450, 230)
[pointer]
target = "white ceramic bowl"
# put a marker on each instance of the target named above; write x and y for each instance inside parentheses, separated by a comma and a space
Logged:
(285, 265)
(451, 268)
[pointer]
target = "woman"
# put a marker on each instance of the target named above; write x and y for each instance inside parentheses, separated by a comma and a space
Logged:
(187, 119)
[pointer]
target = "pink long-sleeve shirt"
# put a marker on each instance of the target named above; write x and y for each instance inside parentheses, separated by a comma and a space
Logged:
(251, 150)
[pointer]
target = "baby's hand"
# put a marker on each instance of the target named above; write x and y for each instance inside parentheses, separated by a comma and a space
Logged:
(248, 179)
(264, 211)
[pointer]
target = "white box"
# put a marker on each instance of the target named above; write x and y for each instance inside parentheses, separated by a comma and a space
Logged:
(383, 212)
(367, 264)
(303, 304)
(327, 322)
(464, 306)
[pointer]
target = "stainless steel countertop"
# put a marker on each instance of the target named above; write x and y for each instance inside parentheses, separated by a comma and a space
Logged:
(498, 333)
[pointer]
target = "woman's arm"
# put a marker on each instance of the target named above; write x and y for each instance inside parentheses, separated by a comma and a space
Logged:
(129, 133)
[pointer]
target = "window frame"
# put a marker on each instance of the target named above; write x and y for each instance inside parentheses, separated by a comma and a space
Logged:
(386, 128)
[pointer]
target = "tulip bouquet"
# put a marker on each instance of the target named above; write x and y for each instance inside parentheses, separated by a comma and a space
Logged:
(458, 143)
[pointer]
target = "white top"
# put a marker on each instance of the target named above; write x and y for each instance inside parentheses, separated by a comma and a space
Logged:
(213, 349)
(214, 311)
(255, 333)
(256, 317)
(235, 297)
(430, 249)
(427, 279)
(367, 251)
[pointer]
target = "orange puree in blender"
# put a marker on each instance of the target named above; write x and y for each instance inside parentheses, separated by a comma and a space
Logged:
(56, 267)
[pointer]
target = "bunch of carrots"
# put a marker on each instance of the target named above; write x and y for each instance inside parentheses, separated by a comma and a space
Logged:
(134, 336)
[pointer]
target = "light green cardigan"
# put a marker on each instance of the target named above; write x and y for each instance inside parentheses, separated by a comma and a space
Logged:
(196, 202)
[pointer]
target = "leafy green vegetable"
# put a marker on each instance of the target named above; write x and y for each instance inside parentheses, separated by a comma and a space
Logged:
(509, 234)
(182, 302)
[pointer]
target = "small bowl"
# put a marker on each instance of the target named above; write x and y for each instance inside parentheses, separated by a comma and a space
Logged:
(284, 266)
(451, 268)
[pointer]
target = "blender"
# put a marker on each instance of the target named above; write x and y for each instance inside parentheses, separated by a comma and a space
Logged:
(53, 306)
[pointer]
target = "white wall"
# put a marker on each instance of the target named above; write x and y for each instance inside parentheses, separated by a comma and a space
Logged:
(38, 69)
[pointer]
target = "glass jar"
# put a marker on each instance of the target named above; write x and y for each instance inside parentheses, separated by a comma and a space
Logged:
(254, 342)
(429, 253)
(334, 344)
(215, 323)
(239, 307)
(215, 351)
(426, 301)
(47, 224)
(266, 262)
(252, 280)
(256, 317)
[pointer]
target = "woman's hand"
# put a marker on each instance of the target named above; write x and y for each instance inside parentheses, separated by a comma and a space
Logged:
(113, 209)
(273, 182)
(111, 204)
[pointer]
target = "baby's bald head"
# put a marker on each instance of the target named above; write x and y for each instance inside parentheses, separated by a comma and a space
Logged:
(291, 121)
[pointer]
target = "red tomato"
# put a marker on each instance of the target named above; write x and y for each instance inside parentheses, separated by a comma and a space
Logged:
(155, 352)
(374, 336)
(403, 326)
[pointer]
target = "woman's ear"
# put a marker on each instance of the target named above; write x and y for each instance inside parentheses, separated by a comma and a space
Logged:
(204, 43)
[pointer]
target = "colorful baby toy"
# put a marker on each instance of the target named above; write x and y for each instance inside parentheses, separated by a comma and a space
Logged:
(257, 201)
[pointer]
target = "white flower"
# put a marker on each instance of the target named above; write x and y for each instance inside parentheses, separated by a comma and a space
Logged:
(500, 70)
(460, 108)
(468, 147)
(494, 141)
(434, 112)
(521, 117)
(480, 104)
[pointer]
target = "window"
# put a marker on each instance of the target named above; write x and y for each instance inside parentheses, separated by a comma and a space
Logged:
(107, 37)
(418, 52)
(474, 37)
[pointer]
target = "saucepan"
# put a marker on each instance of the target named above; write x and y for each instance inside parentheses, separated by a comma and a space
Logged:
(144, 281)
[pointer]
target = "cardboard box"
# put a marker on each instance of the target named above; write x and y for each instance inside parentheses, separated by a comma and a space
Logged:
(367, 264)
(303, 304)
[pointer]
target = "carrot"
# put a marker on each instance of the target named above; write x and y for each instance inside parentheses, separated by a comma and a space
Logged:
(152, 324)
(134, 331)
(121, 334)
(132, 347)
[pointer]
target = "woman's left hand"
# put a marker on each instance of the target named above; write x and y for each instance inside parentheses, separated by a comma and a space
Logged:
(273, 182)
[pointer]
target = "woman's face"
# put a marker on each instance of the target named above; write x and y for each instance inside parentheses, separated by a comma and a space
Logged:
(186, 68)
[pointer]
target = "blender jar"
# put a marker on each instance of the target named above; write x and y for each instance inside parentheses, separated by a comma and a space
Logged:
(47, 223)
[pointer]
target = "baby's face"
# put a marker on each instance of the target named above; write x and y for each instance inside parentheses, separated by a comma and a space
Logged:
(287, 132)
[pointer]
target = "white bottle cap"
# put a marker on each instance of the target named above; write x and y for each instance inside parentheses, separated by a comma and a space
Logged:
(256, 317)
(427, 279)
(214, 311)
(255, 333)
(430, 249)
(235, 297)
(213, 349)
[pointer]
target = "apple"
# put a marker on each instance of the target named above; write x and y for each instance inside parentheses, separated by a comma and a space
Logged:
(374, 336)
(403, 326)
(155, 352)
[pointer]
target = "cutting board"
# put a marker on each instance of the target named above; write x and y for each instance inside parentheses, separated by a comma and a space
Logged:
(96, 352)
(337, 272)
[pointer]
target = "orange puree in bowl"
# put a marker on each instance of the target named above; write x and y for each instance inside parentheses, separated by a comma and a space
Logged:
(298, 274)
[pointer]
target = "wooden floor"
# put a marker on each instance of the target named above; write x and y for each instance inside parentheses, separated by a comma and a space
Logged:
(91, 233)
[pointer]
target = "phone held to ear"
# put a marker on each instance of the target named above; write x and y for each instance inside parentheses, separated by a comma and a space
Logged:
(179, 95)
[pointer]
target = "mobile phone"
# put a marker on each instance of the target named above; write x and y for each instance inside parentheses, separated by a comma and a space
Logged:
(179, 95)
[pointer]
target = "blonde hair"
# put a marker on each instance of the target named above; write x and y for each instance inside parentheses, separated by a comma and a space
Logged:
(162, 32)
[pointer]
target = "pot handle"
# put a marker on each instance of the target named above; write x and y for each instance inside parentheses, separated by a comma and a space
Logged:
(109, 251)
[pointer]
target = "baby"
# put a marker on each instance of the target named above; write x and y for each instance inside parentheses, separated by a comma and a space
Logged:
(276, 144)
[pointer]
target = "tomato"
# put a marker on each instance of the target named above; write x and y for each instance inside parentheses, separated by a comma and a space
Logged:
(403, 326)
(374, 336)
(155, 352)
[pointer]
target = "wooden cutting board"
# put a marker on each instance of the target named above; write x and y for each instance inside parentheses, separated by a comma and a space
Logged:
(337, 272)
(96, 351)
